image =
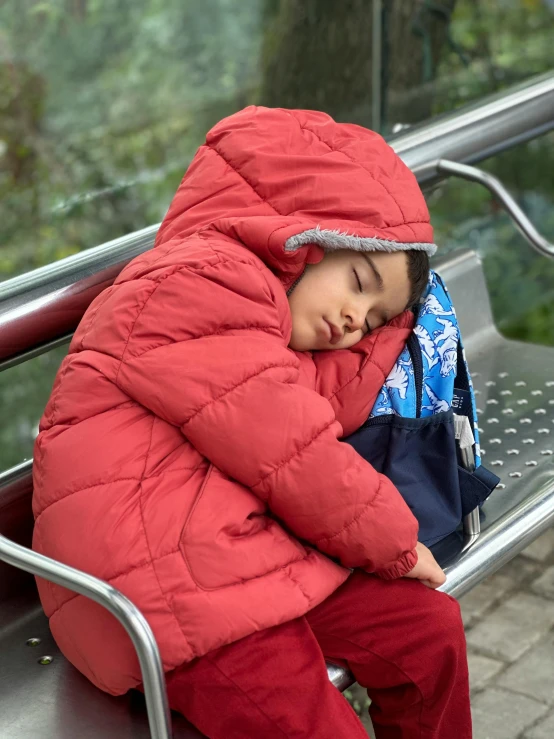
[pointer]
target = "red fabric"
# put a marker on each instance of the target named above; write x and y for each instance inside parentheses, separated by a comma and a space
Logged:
(403, 642)
(187, 455)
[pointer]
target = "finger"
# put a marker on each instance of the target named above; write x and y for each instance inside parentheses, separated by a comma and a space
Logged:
(438, 578)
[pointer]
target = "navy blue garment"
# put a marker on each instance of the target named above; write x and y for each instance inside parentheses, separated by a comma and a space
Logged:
(410, 437)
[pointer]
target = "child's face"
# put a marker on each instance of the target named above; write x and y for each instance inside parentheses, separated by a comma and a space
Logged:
(329, 308)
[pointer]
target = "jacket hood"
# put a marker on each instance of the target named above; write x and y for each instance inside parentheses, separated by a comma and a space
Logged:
(291, 184)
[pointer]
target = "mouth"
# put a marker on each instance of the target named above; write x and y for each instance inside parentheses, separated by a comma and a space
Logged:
(335, 334)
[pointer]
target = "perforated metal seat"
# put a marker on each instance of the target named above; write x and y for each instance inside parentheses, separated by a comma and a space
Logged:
(53, 700)
(515, 389)
(514, 386)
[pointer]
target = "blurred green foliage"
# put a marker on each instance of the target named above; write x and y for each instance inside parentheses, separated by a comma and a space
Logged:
(520, 281)
(103, 103)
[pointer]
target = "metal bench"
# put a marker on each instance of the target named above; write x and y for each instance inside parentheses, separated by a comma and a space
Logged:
(40, 693)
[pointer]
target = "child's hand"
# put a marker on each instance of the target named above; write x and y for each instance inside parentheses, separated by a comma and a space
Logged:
(427, 569)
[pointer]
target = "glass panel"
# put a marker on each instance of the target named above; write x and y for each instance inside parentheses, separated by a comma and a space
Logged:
(103, 102)
(520, 281)
(24, 392)
(439, 56)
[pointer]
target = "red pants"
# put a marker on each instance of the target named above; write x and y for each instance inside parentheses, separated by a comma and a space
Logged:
(403, 642)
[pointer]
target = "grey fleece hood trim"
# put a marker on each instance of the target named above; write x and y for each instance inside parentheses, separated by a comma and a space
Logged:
(334, 240)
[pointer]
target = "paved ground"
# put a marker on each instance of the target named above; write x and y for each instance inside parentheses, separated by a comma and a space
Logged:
(509, 622)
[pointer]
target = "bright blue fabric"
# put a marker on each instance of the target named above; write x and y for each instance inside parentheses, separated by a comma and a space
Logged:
(439, 340)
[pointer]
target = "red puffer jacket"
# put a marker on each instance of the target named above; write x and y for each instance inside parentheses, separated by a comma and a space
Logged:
(187, 455)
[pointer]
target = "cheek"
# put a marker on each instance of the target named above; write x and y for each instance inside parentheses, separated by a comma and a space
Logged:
(295, 304)
(350, 340)
(300, 319)
(304, 299)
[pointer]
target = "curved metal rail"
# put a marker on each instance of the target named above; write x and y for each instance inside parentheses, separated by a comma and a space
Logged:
(492, 183)
(121, 607)
(481, 130)
(502, 541)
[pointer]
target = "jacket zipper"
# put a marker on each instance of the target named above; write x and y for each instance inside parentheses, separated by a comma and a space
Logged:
(295, 283)
(414, 349)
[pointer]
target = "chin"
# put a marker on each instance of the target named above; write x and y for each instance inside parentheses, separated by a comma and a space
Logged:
(305, 346)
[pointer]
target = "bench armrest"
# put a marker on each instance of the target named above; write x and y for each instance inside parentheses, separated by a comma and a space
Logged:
(121, 607)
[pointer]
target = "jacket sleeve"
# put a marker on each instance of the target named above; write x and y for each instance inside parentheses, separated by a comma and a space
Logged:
(351, 379)
(206, 352)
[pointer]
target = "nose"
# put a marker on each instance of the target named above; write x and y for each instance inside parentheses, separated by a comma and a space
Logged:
(354, 317)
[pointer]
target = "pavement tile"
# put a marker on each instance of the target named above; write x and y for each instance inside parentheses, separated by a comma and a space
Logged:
(508, 631)
(544, 585)
(533, 674)
(482, 669)
(499, 714)
(483, 596)
(543, 730)
(541, 549)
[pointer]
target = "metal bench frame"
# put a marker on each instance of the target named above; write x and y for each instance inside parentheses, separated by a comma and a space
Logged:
(26, 303)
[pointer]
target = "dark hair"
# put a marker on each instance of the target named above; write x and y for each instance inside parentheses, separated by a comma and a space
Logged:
(418, 274)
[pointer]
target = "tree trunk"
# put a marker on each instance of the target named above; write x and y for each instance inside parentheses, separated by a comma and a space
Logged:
(318, 54)
(78, 9)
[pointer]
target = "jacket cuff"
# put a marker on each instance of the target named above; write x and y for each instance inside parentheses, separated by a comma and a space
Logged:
(401, 567)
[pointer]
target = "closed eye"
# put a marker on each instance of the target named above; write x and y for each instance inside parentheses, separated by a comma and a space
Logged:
(368, 327)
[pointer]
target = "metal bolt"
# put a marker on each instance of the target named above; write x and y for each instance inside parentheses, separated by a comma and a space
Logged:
(46, 660)
(34, 642)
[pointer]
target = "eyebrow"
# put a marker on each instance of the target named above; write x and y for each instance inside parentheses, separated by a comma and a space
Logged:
(380, 285)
